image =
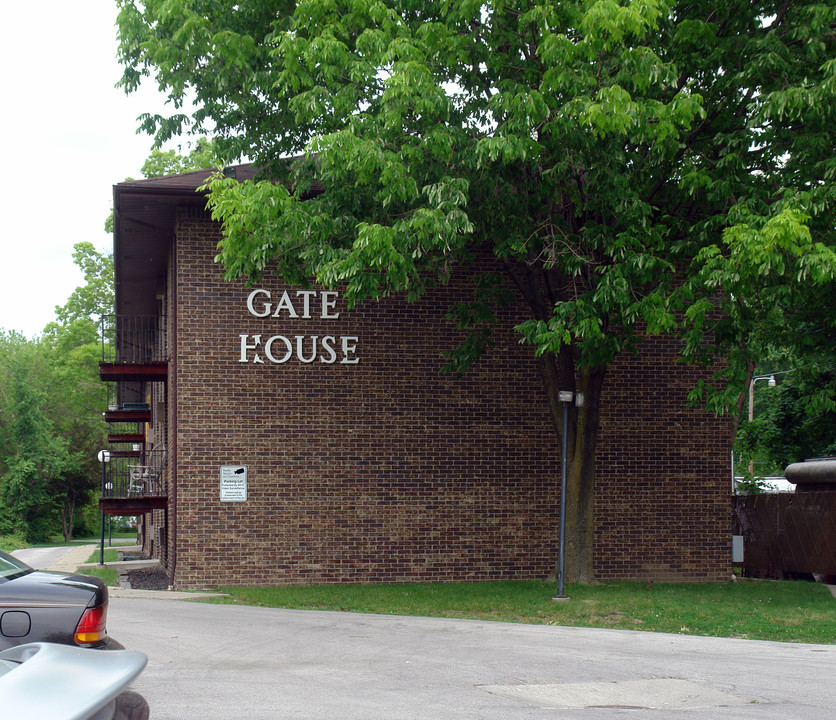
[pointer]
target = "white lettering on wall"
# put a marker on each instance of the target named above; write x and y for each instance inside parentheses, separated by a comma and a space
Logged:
(329, 302)
(265, 309)
(286, 305)
(349, 348)
(280, 349)
(246, 346)
(268, 349)
(260, 304)
(329, 354)
(300, 349)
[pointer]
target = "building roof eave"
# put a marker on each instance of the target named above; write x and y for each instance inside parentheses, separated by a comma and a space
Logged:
(144, 212)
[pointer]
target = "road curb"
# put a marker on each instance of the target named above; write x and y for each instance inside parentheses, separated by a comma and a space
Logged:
(131, 593)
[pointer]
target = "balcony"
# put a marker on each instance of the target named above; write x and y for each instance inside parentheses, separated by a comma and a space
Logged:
(134, 357)
(134, 481)
(134, 348)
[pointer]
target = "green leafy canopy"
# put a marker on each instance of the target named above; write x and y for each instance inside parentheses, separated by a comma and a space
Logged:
(633, 166)
(604, 146)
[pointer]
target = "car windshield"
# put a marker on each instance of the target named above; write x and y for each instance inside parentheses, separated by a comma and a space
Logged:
(11, 565)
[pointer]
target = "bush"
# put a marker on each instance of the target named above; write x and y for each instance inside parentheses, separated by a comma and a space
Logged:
(11, 542)
(88, 519)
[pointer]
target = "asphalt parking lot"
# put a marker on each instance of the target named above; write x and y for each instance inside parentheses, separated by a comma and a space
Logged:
(215, 661)
(228, 662)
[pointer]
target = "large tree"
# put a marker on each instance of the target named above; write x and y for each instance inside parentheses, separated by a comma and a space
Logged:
(50, 409)
(794, 419)
(71, 346)
(39, 458)
(201, 156)
(95, 297)
(76, 396)
(614, 157)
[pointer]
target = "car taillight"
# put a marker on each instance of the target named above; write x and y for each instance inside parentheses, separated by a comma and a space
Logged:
(91, 627)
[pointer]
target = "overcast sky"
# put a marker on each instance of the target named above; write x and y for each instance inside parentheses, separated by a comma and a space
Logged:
(69, 136)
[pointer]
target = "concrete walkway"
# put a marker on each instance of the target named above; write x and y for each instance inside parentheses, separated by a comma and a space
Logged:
(75, 560)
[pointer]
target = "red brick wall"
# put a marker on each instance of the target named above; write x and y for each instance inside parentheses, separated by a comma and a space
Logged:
(663, 475)
(387, 470)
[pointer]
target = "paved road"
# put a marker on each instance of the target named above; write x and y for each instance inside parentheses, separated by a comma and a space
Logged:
(66, 558)
(229, 663)
(43, 557)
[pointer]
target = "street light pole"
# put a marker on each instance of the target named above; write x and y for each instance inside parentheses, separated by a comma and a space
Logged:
(104, 458)
(566, 397)
(771, 382)
(561, 561)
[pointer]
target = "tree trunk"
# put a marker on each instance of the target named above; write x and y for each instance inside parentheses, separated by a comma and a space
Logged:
(742, 400)
(67, 518)
(559, 374)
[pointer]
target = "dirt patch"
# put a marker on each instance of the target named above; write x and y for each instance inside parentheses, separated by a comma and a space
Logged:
(148, 579)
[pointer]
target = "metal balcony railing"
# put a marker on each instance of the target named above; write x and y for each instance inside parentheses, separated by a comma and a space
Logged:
(127, 396)
(134, 338)
(135, 474)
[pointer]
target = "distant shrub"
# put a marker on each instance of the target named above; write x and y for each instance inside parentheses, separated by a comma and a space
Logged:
(12, 542)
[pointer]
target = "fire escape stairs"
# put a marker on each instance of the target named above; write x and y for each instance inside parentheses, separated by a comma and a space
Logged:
(133, 469)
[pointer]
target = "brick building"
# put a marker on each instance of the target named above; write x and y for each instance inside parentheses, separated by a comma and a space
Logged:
(266, 435)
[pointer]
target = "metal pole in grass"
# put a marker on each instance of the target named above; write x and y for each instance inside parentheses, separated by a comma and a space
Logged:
(104, 458)
(565, 397)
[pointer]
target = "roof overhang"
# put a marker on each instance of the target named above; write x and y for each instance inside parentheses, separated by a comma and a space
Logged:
(144, 213)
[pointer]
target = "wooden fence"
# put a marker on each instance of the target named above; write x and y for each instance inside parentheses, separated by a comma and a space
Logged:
(787, 535)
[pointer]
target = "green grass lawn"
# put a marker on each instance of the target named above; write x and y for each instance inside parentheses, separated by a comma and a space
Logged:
(110, 555)
(109, 575)
(753, 609)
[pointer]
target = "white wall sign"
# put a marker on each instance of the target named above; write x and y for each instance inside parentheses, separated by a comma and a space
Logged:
(233, 483)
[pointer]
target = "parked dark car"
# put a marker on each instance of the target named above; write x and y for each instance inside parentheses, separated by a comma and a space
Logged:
(55, 607)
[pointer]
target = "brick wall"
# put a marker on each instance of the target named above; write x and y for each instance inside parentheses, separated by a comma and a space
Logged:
(387, 470)
(663, 476)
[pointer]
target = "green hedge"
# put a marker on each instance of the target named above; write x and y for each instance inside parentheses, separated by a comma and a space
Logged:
(12, 542)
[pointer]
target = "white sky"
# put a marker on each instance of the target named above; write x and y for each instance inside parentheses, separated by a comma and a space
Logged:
(69, 136)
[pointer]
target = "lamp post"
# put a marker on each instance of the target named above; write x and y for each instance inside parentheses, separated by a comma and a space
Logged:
(104, 458)
(566, 397)
(771, 382)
